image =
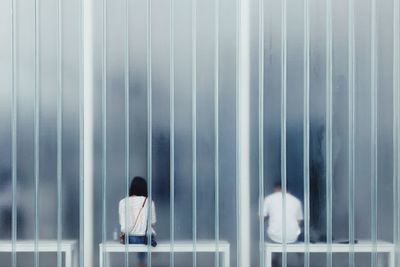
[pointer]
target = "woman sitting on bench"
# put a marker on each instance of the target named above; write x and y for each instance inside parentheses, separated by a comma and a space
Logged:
(134, 214)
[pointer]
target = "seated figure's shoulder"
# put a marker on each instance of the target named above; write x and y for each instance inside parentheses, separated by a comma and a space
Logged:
(268, 198)
(297, 200)
(292, 199)
(122, 201)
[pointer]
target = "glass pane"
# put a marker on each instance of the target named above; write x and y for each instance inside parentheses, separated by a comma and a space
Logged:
(194, 184)
(372, 192)
(5, 130)
(47, 141)
(166, 77)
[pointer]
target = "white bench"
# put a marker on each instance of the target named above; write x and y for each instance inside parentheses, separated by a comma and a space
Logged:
(179, 246)
(363, 246)
(68, 247)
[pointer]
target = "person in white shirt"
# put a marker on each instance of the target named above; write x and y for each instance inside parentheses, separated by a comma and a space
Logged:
(134, 213)
(273, 211)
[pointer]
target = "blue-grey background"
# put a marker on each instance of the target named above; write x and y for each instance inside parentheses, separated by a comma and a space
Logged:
(116, 180)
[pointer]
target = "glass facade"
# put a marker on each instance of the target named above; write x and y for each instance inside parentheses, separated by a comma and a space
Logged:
(39, 133)
(167, 79)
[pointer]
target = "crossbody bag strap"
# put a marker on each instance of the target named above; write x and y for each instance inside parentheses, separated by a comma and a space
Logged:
(137, 218)
(147, 221)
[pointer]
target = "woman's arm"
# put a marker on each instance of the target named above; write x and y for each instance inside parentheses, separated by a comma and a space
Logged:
(121, 212)
(153, 214)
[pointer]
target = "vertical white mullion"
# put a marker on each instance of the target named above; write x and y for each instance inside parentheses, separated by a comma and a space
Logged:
(81, 131)
(395, 145)
(14, 134)
(306, 131)
(374, 144)
(104, 130)
(242, 131)
(59, 133)
(328, 120)
(261, 131)
(36, 130)
(216, 129)
(194, 130)
(86, 135)
(149, 128)
(127, 139)
(238, 148)
(352, 121)
(172, 131)
(283, 121)
(396, 122)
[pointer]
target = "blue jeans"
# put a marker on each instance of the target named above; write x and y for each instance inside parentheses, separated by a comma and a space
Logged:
(134, 239)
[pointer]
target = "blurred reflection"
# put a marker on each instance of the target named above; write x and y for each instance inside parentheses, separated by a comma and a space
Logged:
(6, 207)
(5, 204)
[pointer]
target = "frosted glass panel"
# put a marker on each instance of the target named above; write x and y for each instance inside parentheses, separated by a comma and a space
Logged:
(171, 60)
(167, 77)
(39, 131)
(323, 48)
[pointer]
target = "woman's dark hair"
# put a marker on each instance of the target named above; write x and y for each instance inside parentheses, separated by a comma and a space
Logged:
(138, 187)
(278, 184)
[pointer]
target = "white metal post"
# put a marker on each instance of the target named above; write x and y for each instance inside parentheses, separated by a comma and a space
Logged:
(88, 133)
(244, 132)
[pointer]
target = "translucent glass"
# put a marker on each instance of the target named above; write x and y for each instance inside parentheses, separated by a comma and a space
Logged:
(46, 72)
(340, 132)
(5, 130)
(195, 121)
(336, 212)
(324, 122)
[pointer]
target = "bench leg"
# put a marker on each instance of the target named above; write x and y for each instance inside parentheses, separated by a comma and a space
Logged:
(104, 259)
(68, 258)
(226, 259)
(391, 258)
(107, 258)
(268, 258)
(75, 256)
(101, 259)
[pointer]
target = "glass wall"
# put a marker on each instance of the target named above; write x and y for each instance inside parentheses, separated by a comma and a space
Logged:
(328, 74)
(39, 133)
(324, 117)
(172, 130)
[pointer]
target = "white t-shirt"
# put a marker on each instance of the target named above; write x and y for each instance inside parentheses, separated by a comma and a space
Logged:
(134, 205)
(273, 209)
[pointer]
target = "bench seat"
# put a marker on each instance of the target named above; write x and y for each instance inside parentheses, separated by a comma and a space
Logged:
(166, 247)
(68, 247)
(360, 247)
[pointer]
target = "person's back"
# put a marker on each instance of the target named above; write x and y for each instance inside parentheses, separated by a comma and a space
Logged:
(273, 209)
(134, 216)
(133, 223)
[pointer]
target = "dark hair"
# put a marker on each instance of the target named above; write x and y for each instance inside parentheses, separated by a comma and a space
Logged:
(278, 184)
(138, 187)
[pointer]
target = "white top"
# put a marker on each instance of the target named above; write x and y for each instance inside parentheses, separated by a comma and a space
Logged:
(294, 214)
(134, 205)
